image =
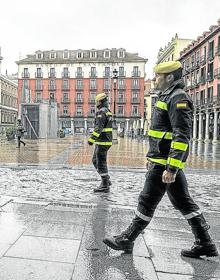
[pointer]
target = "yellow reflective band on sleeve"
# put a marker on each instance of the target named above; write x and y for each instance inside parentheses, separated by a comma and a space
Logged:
(91, 140)
(107, 129)
(179, 146)
(162, 105)
(104, 143)
(160, 134)
(108, 114)
(95, 134)
(157, 160)
(175, 162)
(181, 105)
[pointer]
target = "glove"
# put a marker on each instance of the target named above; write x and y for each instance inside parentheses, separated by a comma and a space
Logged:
(90, 143)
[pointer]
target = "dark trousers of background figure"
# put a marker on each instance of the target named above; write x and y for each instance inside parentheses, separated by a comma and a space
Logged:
(154, 189)
(20, 141)
(99, 159)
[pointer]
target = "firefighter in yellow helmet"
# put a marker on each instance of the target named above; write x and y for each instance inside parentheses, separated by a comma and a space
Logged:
(169, 137)
(102, 138)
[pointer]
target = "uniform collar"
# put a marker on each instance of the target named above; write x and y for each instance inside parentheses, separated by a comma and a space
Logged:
(177, 84)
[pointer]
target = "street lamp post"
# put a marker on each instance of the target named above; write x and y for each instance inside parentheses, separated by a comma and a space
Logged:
(114, 124)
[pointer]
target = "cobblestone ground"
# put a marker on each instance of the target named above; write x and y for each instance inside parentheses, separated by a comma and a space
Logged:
(60, 170)
(71, 185)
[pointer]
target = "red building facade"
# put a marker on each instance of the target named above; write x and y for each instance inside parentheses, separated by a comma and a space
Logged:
(201, 72)
(73, 78)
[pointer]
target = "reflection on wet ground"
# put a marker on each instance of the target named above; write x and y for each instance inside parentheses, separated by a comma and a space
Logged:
(74, 151)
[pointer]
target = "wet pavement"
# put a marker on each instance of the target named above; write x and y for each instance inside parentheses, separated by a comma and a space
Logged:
(73, 151)
(52, 224)
(43, 240)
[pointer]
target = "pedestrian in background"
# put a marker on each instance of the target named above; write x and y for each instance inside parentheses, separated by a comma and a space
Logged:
(102, 138)
(169, 137)
(19, 133)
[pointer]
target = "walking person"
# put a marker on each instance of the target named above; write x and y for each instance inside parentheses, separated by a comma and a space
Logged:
(169, 137)
(102, 138)
(20, 133)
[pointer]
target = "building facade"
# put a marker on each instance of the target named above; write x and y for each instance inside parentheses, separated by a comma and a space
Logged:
(173, 49)
(201, 72)
(8, 101)
(72, 78)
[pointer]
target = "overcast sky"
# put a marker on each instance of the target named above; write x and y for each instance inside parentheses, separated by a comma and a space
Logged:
(141, 26)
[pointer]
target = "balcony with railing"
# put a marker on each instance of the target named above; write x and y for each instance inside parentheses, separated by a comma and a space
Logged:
(210, 56)
(136, 73)
(106, 74)
(38, 74)
(135, 86)
(93, 74)
(38, 87)
(93, 87)
(66, 74)
(79, 86)
(203, 60)
(52, 87)
(135, 100)
(121, 86)
(202, 80)
(79, 74)
(135, 114)
(121, 101)
(217, 50)
(25, 75)
(65, 87)
(91, 114)
(65, 101)
(217, 73)
(52, 74)
(121, 73)
(79, 100)
(107, 87)
(210, 77)
(120, 114)
(92, 100)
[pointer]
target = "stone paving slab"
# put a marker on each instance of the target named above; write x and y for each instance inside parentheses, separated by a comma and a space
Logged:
(22, 269)
(168, 276)
(47, 249)
(168, 260)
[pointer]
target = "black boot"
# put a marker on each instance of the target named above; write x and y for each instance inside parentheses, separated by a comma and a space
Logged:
(125, 240)
(203, 245)
(105, 185)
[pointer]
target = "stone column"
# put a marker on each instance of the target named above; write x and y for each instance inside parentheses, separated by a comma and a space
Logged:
(72, 126)
(194, 127)
(200, 127)
(207, 127)
(85, 126)
(215, 132)
(127, 127)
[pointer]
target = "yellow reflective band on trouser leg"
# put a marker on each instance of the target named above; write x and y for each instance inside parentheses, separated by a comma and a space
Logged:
(160, 134)
(162, 105)
(157, 160)
(142, 216)
(104, 143)
(107, 129)
(95, 134)
(179, 146)
(91, 140)
(175, 162)
(192, 215)
(168, 136)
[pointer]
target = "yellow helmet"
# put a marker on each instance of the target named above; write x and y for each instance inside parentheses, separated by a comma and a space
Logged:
(167, 67)
(100, 96)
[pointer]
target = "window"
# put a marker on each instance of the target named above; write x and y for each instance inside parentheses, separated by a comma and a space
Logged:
(121, 71)
(107, 72)
(211, 50)
(134, 110)
(135, 96)
(121, 54)
(39, 55)
(79, 84)
(79, 96)
(210, 95)
(92, 96)
(39, 85)
(120, 110)
(93, 54)
(39, 73)
(107, 54)
(52, 96)
(65, 110)
(92, 110)
(218, 92)
(121, 96)
(202, 97)
(210, 72)
(79, 55)
(135, 72)
(106, 84)
(93, 72)
(79, 110)
(65, 84)
(52, 73)
(52, 55)
(52, 84)
(79, 70)
(93, 84)
(38, 97)
(66, 54)
(26, 73)
(121, 83)
(65, 97)
(135, 83)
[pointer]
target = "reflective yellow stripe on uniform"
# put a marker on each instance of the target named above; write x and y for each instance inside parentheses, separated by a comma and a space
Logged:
(162, 105)
(157, 160)
(95, 134)
(104, 143)
(179, 146)
(108, 114)
(107, 129)
(160, 134)
(91, 140)
(175, 162)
